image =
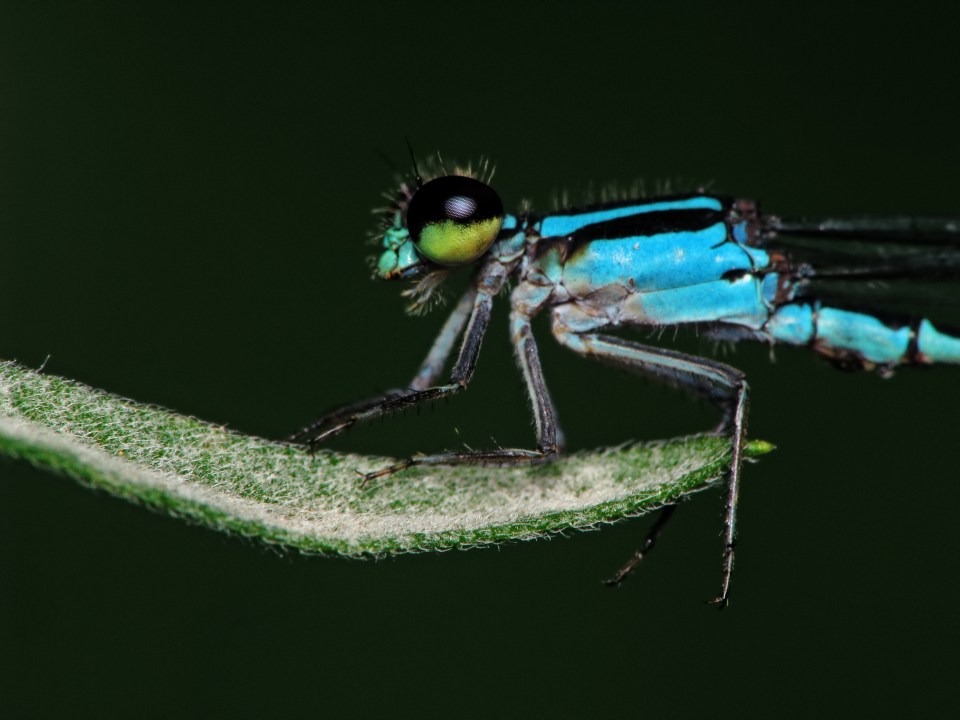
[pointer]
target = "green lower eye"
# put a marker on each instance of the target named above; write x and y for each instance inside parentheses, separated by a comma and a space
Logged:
(453, 220)
(449, 242)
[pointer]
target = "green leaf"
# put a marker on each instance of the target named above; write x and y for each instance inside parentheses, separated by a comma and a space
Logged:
(279, 493)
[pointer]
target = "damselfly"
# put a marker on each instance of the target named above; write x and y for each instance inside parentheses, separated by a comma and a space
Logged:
(698, 259)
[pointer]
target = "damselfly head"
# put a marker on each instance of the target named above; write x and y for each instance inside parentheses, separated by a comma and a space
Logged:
(447, 221)
(454, 219)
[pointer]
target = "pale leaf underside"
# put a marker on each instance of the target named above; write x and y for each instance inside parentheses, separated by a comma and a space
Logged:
(281, 494)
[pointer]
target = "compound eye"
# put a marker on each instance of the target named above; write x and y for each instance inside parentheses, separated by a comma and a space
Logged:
(453, 220)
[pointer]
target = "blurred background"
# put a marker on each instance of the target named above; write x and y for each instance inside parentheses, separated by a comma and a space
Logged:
(185, 198)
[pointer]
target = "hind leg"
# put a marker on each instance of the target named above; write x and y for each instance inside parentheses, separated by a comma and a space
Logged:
(721, 384)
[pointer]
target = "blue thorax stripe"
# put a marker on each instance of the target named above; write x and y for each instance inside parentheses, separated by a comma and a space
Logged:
(568, 223)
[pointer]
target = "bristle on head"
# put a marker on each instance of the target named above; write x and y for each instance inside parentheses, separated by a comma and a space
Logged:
(427, 294)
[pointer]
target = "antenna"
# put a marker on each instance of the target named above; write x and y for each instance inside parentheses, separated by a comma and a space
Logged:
(413, 160)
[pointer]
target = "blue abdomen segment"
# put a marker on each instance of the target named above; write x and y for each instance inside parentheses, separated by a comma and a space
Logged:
(857, 337)
(935, 346)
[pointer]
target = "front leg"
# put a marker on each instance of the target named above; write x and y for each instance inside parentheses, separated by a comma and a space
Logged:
(339, 420)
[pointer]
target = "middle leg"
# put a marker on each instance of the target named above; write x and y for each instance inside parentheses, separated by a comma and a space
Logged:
(548, 434)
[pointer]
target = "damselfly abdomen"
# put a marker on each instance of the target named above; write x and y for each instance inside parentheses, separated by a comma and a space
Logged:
(697, 259)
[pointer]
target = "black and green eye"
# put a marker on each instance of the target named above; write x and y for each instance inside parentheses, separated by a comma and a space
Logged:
(454, 219)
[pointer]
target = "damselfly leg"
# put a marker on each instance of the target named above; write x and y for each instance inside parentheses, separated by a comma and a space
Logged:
(343, 418)
(475, 305)
(646, 547)
(721, 384)
(549, 438)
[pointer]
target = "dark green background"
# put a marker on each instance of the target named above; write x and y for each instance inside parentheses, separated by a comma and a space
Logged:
(184, 202)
